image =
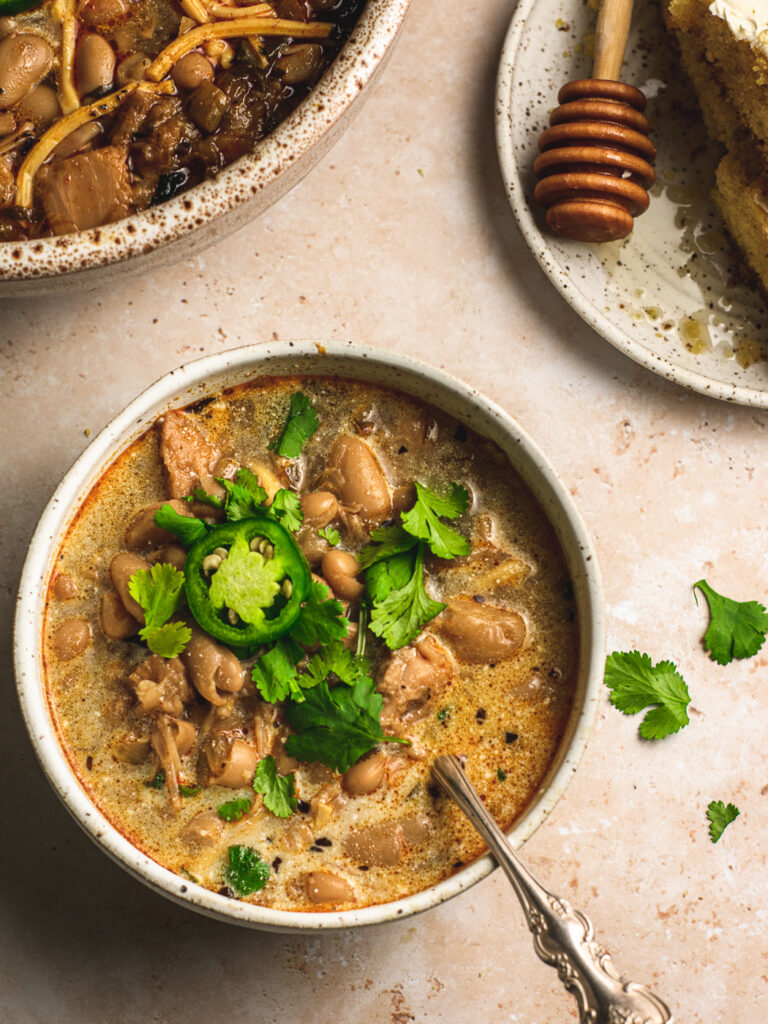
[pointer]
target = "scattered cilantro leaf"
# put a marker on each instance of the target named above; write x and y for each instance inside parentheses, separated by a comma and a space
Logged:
(158, 781)
(275, 672)
(189, 875)
(246, 872)
(400, 609)
(736, 628)
(286, 508)
(388, 541)
(720, 817)
(501, 775)
(188, 529)
(279, 791)
(331, 534)
(158, 591)
(337, 660)
(423, 520)
(189, 790)
(300, 425)
(233, 810)
(636, 683)
(322, 618)
(244, 496)
(246, 582)
(200, 494)
(336, 726)
(444, 714)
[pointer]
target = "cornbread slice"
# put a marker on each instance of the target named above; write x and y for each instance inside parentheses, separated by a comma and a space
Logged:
(724, 51)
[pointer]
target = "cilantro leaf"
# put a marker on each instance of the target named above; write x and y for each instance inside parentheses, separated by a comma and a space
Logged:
(200, 494)
(331, 534)
(401, 606)
(233, 810)
(635, 683)
(279, 791)
(300, 425)
(720, 817)
(246, 872)
(187, 528)
(275, 672)
(244, 496)
(189, 790)
(423, 520)
(157, 781)
(390, 540)
(322, 618)
(286, 508)
(335, 659)
(246, 582)
(168, 640)
(736, 628)
(158, 591)
(338, 726)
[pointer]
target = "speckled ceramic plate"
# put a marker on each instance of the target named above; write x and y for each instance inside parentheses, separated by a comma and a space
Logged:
(668, 296)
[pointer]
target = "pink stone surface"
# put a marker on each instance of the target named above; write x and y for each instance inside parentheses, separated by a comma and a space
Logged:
(402, 238)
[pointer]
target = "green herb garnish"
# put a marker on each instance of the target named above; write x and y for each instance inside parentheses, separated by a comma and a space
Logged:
(278, 791)
(158, 591)
(286, 508)
(246, 872)
(636, 683)
(720, 817)
(331, 534)
(423, 520)
(234, 810)
(401, 605)
(246, 582)
(444, 714)
(736, 628)
(187, 528)
(158, 780)
(189, 790)
(300, 425)
(501, 775)
(336, 726)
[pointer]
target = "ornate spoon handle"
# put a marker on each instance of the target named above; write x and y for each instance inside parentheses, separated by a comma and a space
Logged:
(563, 937)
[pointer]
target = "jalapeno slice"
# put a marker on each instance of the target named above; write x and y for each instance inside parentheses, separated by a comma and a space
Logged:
(245, 581)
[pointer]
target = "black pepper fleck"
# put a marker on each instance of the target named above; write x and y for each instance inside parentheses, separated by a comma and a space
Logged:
(480, 714)
(510, 737)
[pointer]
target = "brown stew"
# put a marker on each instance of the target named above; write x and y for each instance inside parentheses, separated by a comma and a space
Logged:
(110, 106)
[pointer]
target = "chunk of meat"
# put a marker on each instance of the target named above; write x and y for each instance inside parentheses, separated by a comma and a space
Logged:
(160, 684)
(188, 456)
(481, 632)
(86, 190)
(413, 678)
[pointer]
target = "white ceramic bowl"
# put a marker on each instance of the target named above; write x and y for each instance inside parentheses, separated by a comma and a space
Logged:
(193, 220)
(207, 376)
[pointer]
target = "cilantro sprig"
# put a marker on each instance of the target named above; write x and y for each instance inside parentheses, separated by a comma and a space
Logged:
(736, 629)
(234, 810)
(336, 726)
(247, 872)
(331, 534)
(278, 791)
(158, 591)
(636, 683)
(720, 817)
(322, 621)
(300, 425)
(394, 563)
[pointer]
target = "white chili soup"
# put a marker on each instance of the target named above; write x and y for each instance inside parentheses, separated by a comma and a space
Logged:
(276, 608)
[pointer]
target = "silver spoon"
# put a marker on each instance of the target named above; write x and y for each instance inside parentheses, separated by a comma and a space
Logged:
(562, 937)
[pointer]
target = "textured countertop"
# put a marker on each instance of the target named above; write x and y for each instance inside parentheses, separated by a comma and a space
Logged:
(402, 238)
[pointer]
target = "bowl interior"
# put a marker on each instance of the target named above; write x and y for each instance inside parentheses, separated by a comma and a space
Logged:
(206, 377)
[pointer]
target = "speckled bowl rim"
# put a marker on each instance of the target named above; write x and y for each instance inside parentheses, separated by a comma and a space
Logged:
(144, 232)
(514, 177)
(189, 383)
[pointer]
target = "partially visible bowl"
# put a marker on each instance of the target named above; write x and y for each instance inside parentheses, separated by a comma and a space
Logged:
(208, 376)
(183, 226)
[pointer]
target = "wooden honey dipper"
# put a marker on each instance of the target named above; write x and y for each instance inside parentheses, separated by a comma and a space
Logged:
(594, 167)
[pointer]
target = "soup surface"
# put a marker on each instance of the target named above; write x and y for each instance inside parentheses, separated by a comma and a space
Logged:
(292, 767)
(110, 106)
